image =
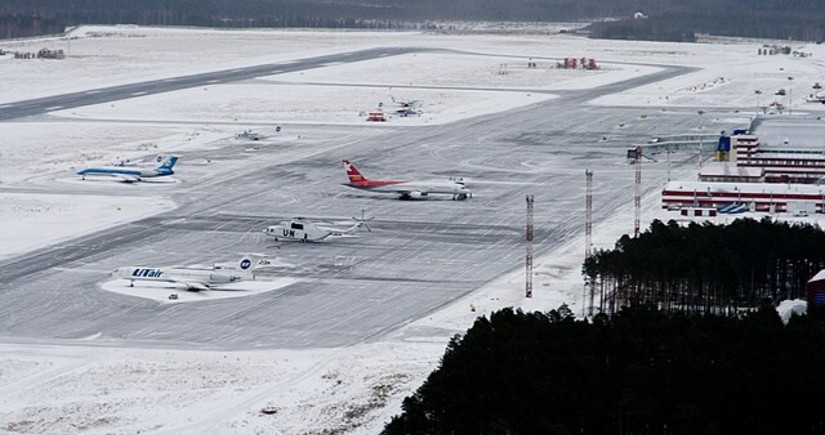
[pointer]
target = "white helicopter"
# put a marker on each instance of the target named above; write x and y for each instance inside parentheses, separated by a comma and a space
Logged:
(300, 229)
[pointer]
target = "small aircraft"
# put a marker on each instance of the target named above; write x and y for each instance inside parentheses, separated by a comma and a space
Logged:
(406, 189)
(299, 229)
(406, 103)
(407, 111)
(132, 174)
(819, 97)
(194, 279)
(250, 135)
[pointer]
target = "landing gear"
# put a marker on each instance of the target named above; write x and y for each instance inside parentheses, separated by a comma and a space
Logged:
(131, 283)
(461, 196)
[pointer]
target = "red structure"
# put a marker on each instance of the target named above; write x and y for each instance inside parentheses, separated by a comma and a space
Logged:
(816, 295)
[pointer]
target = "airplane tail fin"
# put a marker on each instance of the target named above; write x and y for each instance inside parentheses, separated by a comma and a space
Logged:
(245, 266)
(168, 162)
(354, 175)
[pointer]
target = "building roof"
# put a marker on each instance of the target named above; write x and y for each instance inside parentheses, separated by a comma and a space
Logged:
(725, 169)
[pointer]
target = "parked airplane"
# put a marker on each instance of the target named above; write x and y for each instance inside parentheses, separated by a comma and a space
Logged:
(406, 189)
(407, 111)
(819, 97)
(194, 279)
(300, 229)
(131, 174)
(406, 103)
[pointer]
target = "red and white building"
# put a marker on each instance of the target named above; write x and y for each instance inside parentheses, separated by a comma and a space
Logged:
(767, 197)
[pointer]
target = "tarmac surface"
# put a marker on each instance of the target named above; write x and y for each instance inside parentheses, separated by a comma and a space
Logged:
(420, 255)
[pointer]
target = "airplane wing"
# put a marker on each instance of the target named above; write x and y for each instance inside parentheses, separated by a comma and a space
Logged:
(193, 286)
(127, 178)
(408, 189)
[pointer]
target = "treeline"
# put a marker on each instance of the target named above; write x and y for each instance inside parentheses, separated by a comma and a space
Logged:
(640, 372)
(667, 19)
(707, 267)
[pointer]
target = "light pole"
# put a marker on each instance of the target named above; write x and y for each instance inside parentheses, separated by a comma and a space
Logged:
(701, 130)
(758, 93)
(790, 95)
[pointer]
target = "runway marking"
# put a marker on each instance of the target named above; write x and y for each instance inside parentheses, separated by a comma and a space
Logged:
(92, 92)
(137, 94)
(170, 80)
(5, 105)
(277, 71)
(214, 81)
(49, 109)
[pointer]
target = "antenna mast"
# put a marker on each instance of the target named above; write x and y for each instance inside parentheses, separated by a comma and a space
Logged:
(588, 230)
(528, 264)
(637, 197)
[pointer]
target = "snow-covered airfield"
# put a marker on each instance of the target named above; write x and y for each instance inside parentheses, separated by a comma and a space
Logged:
(361, 320)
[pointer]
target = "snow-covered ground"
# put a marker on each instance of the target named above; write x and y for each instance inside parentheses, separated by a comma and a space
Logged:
(78, 387)
(32, 221)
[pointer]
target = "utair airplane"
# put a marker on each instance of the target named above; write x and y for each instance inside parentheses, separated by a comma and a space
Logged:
(131, 174)
(406, 189)
(194, 279)
(300, 229)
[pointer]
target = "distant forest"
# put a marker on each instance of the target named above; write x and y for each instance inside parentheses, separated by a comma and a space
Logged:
(674, 20)
(707, 267)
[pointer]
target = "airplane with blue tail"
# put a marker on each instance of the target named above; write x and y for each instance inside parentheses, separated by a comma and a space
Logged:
(131, 174)
(192, 278)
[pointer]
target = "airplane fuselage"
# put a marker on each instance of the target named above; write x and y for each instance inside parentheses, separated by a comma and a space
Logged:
(413, 189)
(193, 278)
(405, 189)
(132, 172)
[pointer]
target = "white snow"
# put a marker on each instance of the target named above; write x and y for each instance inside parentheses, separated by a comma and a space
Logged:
(787, 308)
(81, 387)
(31, 221)
(161, 291)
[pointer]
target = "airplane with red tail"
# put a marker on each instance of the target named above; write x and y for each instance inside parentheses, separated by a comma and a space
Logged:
(406, 189)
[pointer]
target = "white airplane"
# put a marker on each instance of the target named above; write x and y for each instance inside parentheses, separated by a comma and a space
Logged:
(194, 279)
(819, 97)
(405, 103)
(249, 135)
(300, 229)
(407, 111)
(131, 174)
(407, 189)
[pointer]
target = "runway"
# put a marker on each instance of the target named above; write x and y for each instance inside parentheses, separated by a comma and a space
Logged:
(20, 109)
(420, 256)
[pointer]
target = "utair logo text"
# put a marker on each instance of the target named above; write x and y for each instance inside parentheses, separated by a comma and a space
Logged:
(147, 273)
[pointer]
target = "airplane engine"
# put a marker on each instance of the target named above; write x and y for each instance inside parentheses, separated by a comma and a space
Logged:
(417, 195)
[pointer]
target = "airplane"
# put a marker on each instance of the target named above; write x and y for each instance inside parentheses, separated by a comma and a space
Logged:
(129, 174)
(194, 279)
(299, 229)
(406, 103)
(819, 97)
(407, 111)
(250, 135)
(406, 189)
